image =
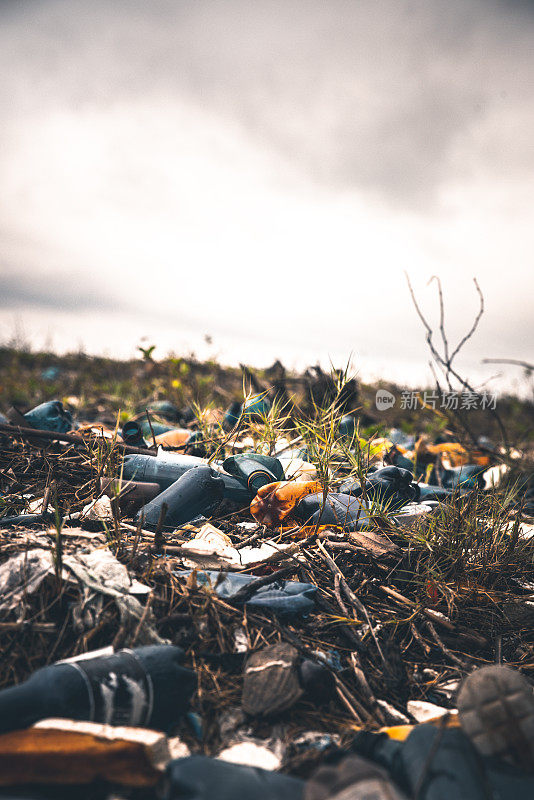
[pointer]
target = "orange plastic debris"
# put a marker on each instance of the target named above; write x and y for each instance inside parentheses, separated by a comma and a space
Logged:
(455, 453)
(275, 501)
(174, 438)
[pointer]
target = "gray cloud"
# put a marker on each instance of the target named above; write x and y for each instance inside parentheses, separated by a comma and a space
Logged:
(380, 96)
(191, 155)
(54, 292)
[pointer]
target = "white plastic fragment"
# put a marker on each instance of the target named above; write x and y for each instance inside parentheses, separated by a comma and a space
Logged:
(423, 711)
(494, 475)
(98, 510)
(240, 640)
(210, 548)
(410, 513)
(21, 576)
(251, 754)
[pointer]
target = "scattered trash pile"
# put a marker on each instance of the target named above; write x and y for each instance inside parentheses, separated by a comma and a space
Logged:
(257, 606)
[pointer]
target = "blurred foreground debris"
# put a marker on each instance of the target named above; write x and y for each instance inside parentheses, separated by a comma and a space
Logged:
(317, 582)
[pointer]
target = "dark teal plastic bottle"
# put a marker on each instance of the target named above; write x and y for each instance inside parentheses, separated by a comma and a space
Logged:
(132, 434)
(254, 470)
(145, 687)
(50, 416)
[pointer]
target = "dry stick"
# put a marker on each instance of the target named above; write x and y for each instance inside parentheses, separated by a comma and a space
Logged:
(348, 705)
(346, 629)
(442, 320)
(154, 443)
(514, 361)
(419, 639)
(175, 550)
(337, 593)
(498, 649)
(138, 531)
(446, 363)
(358, 711)
(158, 535)
(46, 497)
(351, 596)
(366, 690)
(446, 652)
(248, 590)
(249, 540)
(336, 571)
(143, 618)
(72, 438)
(433, 615)
(36, 627)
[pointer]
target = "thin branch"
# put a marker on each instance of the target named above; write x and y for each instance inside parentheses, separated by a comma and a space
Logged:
(475, 323)
(513, 361)
(442, 319)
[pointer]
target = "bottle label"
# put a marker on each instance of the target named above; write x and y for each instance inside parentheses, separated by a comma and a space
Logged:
(120, 691)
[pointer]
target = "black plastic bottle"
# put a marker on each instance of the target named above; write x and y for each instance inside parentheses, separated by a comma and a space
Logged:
(200, 777)
(392, 486)
(428, 492)
(165, 470)
(161, 469)
(145, 687)
(460, 479)
(341, 510)
(196, 492)
(254, 469)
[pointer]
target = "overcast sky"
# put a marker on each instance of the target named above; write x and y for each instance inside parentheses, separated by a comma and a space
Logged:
(264, 172)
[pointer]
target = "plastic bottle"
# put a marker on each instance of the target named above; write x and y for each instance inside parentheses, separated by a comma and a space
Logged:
(50, 416)
(428, 492)
(276, 501)
(145, 687)
(196, 492)
(166, 409)
(200, 777)
(163, 469)
(254, 469)
(341, 510)
(166, 468)
(231, 416)
(465, 478)
(257, 406)
(347, 427)
(153, 428)
(391, 486)
(176, 437)
(132, 434)
(131, 495)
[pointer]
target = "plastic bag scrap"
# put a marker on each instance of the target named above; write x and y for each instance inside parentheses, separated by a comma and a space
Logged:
(282, 598)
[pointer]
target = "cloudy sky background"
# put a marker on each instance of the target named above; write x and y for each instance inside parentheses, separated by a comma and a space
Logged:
(263, 171)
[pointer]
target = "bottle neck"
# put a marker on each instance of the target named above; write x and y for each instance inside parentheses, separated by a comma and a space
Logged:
(258, 479)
